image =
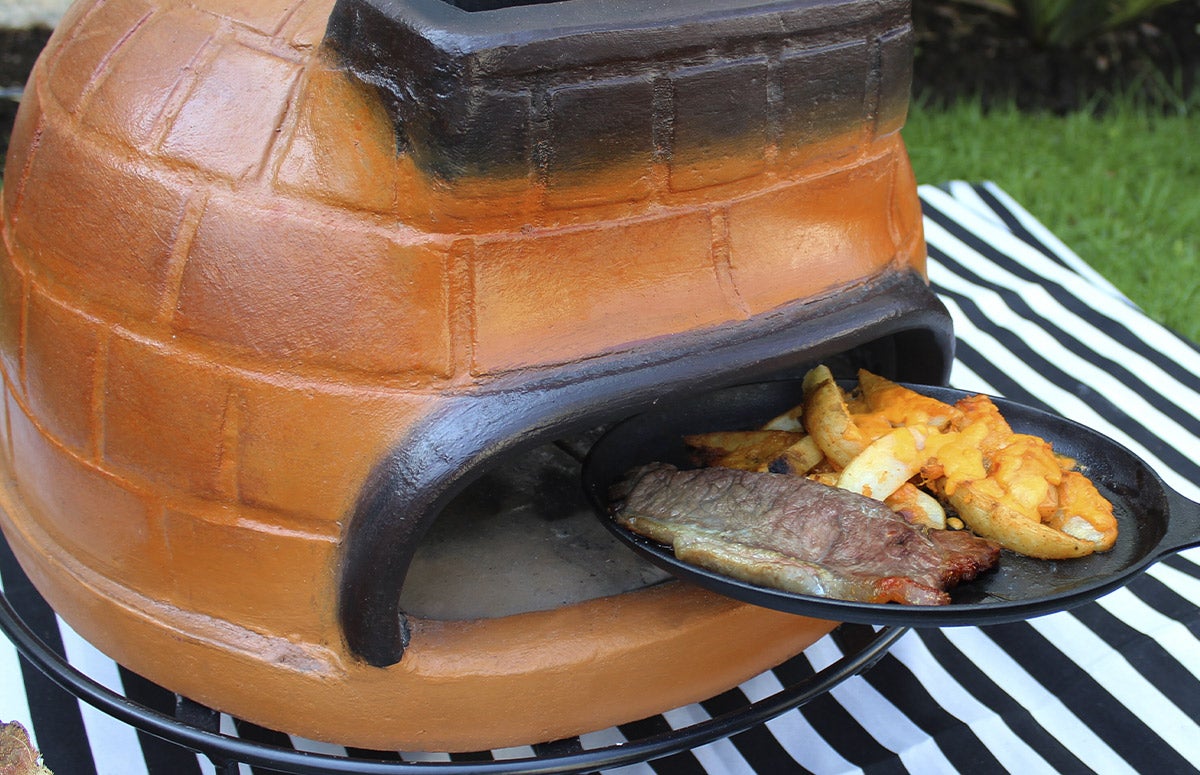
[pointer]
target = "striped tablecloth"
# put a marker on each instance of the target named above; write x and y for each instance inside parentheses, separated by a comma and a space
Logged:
(1112, 686)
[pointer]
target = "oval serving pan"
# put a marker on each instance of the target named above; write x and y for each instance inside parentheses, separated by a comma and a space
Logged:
(1154, 520)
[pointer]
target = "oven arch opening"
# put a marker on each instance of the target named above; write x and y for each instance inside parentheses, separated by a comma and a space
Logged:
(893, 324)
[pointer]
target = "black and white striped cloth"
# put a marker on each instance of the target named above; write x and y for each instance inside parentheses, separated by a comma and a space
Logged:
(1113, 686)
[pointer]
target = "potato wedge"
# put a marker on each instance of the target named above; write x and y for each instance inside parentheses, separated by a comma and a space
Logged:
(798, 459)
(917, 506)
(825, 477)
(986, 514)
(828, 420)
(982, 416)
(748, 450)
(791, 420)
(885, 464)
(1083, 512)
(904, 406)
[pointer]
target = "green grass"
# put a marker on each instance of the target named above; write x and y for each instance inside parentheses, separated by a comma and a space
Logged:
(1122, 189)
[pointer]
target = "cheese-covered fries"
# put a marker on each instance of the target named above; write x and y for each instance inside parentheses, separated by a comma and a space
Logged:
(922, 456)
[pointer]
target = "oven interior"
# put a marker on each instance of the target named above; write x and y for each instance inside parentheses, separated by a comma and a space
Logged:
(523, 537)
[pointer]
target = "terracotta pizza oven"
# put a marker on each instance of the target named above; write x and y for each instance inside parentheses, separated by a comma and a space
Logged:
(285, 283)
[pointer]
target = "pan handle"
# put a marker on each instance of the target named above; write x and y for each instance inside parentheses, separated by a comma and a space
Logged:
(1183, 525)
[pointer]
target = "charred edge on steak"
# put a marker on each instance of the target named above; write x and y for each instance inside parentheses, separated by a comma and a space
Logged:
(797, 535)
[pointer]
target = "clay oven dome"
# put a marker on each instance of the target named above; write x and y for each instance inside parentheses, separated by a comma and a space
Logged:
(280, 278)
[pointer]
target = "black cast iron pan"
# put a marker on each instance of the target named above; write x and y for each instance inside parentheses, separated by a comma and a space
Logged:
(1154, 520)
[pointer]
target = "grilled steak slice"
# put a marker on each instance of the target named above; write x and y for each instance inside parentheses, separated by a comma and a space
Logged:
(797, 535)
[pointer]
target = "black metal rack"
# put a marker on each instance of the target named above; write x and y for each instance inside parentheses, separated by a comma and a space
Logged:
(196, 727)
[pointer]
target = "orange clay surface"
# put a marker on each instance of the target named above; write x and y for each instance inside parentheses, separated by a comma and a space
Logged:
(224, 297)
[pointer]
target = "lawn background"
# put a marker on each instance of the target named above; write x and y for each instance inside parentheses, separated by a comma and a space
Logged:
(1120, 187)
(1087, 114)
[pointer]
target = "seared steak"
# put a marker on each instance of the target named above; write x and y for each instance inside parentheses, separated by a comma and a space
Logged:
(797, 535)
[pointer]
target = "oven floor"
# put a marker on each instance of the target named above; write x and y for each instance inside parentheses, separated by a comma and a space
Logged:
(521, 538)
